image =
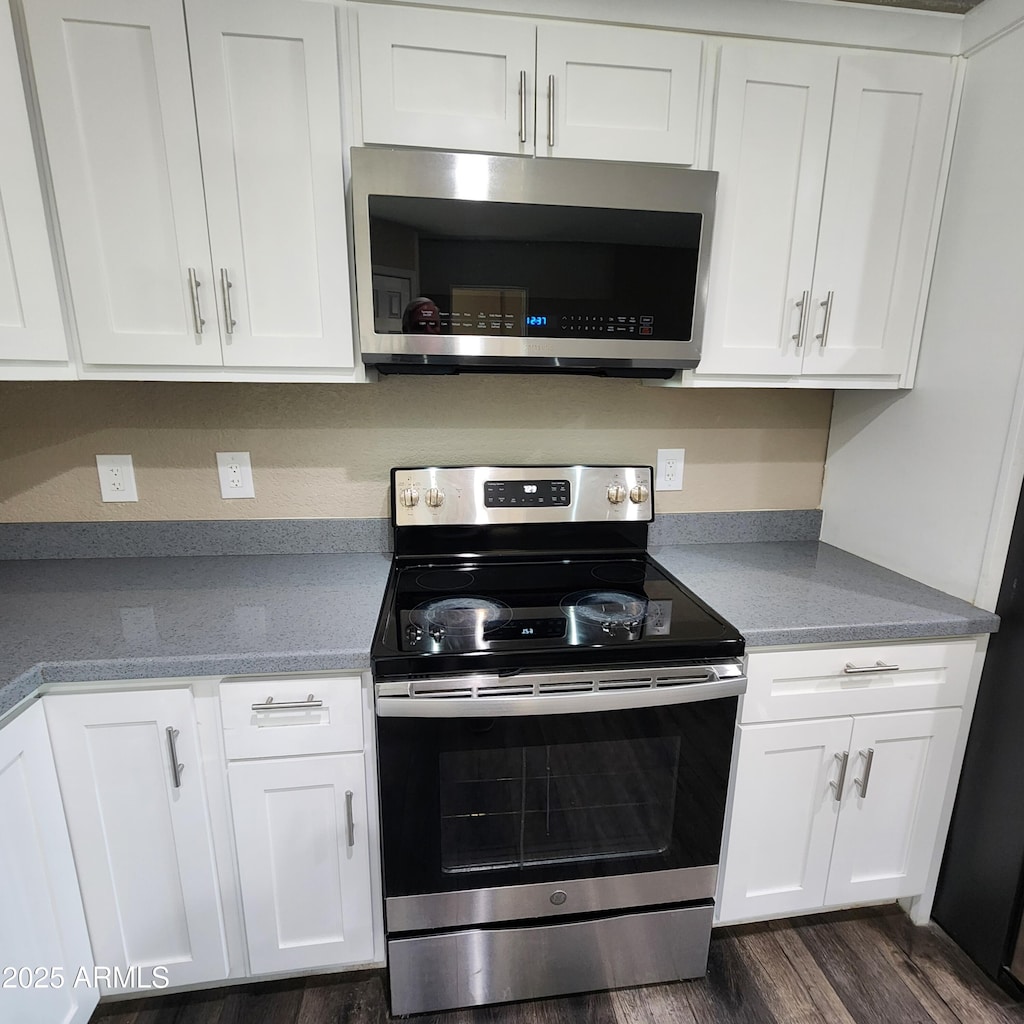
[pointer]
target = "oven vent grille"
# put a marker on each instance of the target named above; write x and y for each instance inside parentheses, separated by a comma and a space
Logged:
(641, 682)
(541, 685)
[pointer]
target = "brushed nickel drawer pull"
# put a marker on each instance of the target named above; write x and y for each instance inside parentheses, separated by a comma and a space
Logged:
(177, 769)
(350, 824)
(879, 666)
(869, 759)
(838, 784)
(288, 705)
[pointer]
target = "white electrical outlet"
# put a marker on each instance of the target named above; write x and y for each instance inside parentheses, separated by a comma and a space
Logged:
(235, 472)
(117, 478)
(669, 474)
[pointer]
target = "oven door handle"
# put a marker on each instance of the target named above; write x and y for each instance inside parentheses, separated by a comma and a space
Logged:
(510, 705)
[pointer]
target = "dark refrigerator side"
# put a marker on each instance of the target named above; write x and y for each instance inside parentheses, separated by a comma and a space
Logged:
(981, 885)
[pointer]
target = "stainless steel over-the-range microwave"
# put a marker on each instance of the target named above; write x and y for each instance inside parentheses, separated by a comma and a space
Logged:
(474, 262)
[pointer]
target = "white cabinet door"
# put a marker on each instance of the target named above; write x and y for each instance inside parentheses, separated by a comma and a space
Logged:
(446, 80)
(116, 101)
(143, 844)
(885, 157)
(31, 324)
(42, 925)
(268, 106)
(774, 108)
(886, 835)
(611, 93)
(783, 818)
(302, 832)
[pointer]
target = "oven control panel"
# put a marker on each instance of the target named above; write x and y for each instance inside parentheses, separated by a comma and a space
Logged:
(490, 495)
(526, 493)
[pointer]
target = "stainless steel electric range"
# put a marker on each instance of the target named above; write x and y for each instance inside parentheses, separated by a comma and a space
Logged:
(555, 718)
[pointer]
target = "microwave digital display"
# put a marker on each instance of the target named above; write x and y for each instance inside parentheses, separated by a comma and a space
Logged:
(461, 267)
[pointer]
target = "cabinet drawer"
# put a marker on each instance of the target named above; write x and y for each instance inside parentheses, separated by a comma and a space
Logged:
(784, 685)
(288, 717)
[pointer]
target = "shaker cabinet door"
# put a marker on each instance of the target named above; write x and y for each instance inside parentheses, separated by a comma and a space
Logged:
(268, 108)
(774, 109)
(783, 818)
(33, 342)
(140, 831)
(302, 833)
(892, 802)
(885, 159)
(612, 93)
(42, 925)
(116, 102)
(446, 80)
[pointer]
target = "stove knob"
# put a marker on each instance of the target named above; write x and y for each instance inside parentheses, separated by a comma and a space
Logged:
(616, 494)
(413, 633)
(437, 632)
(434, 497)
(639, 494)
(409, 497)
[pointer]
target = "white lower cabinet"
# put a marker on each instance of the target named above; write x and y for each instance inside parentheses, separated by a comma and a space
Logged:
(844, 809)
(130, 775)
(301, 831)
(45, 958)
(302, 823)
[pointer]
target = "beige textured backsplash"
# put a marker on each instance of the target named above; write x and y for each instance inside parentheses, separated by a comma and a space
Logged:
(321, 450)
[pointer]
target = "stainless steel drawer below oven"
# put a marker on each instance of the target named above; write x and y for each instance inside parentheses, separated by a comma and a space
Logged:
(493, 965)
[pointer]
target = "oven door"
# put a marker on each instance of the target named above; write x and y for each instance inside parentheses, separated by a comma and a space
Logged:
(524, 812)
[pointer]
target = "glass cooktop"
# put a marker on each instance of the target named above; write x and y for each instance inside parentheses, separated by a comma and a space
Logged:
(502, 615)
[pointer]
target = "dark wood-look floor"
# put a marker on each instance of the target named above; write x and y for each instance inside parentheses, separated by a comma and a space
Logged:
(858, 967)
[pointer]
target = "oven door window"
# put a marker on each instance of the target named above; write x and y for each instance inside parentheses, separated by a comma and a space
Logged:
(475, 803)
(557, 803)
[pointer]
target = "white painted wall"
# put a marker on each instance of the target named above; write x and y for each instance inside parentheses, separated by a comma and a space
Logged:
(926, 482)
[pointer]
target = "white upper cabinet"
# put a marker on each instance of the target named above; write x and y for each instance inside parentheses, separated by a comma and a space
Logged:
(33, 342)
(830, 171)
(450, 80)
(446, 81)
(770, 148)
(266, 283)
(269, 112)
(884, 163)
(617, 93)
(113, 82)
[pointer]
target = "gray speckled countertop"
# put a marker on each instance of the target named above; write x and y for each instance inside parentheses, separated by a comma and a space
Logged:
(131, 618)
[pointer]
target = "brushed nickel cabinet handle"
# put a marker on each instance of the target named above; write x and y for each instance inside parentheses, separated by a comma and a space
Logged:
(551, 110)
(879, 666)
(837, 784)
(869, 759)
(288, 705)
(827, 306)
(351, 825)
(225, 289)
(522, 106)
(177, 769)
(803, 304)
